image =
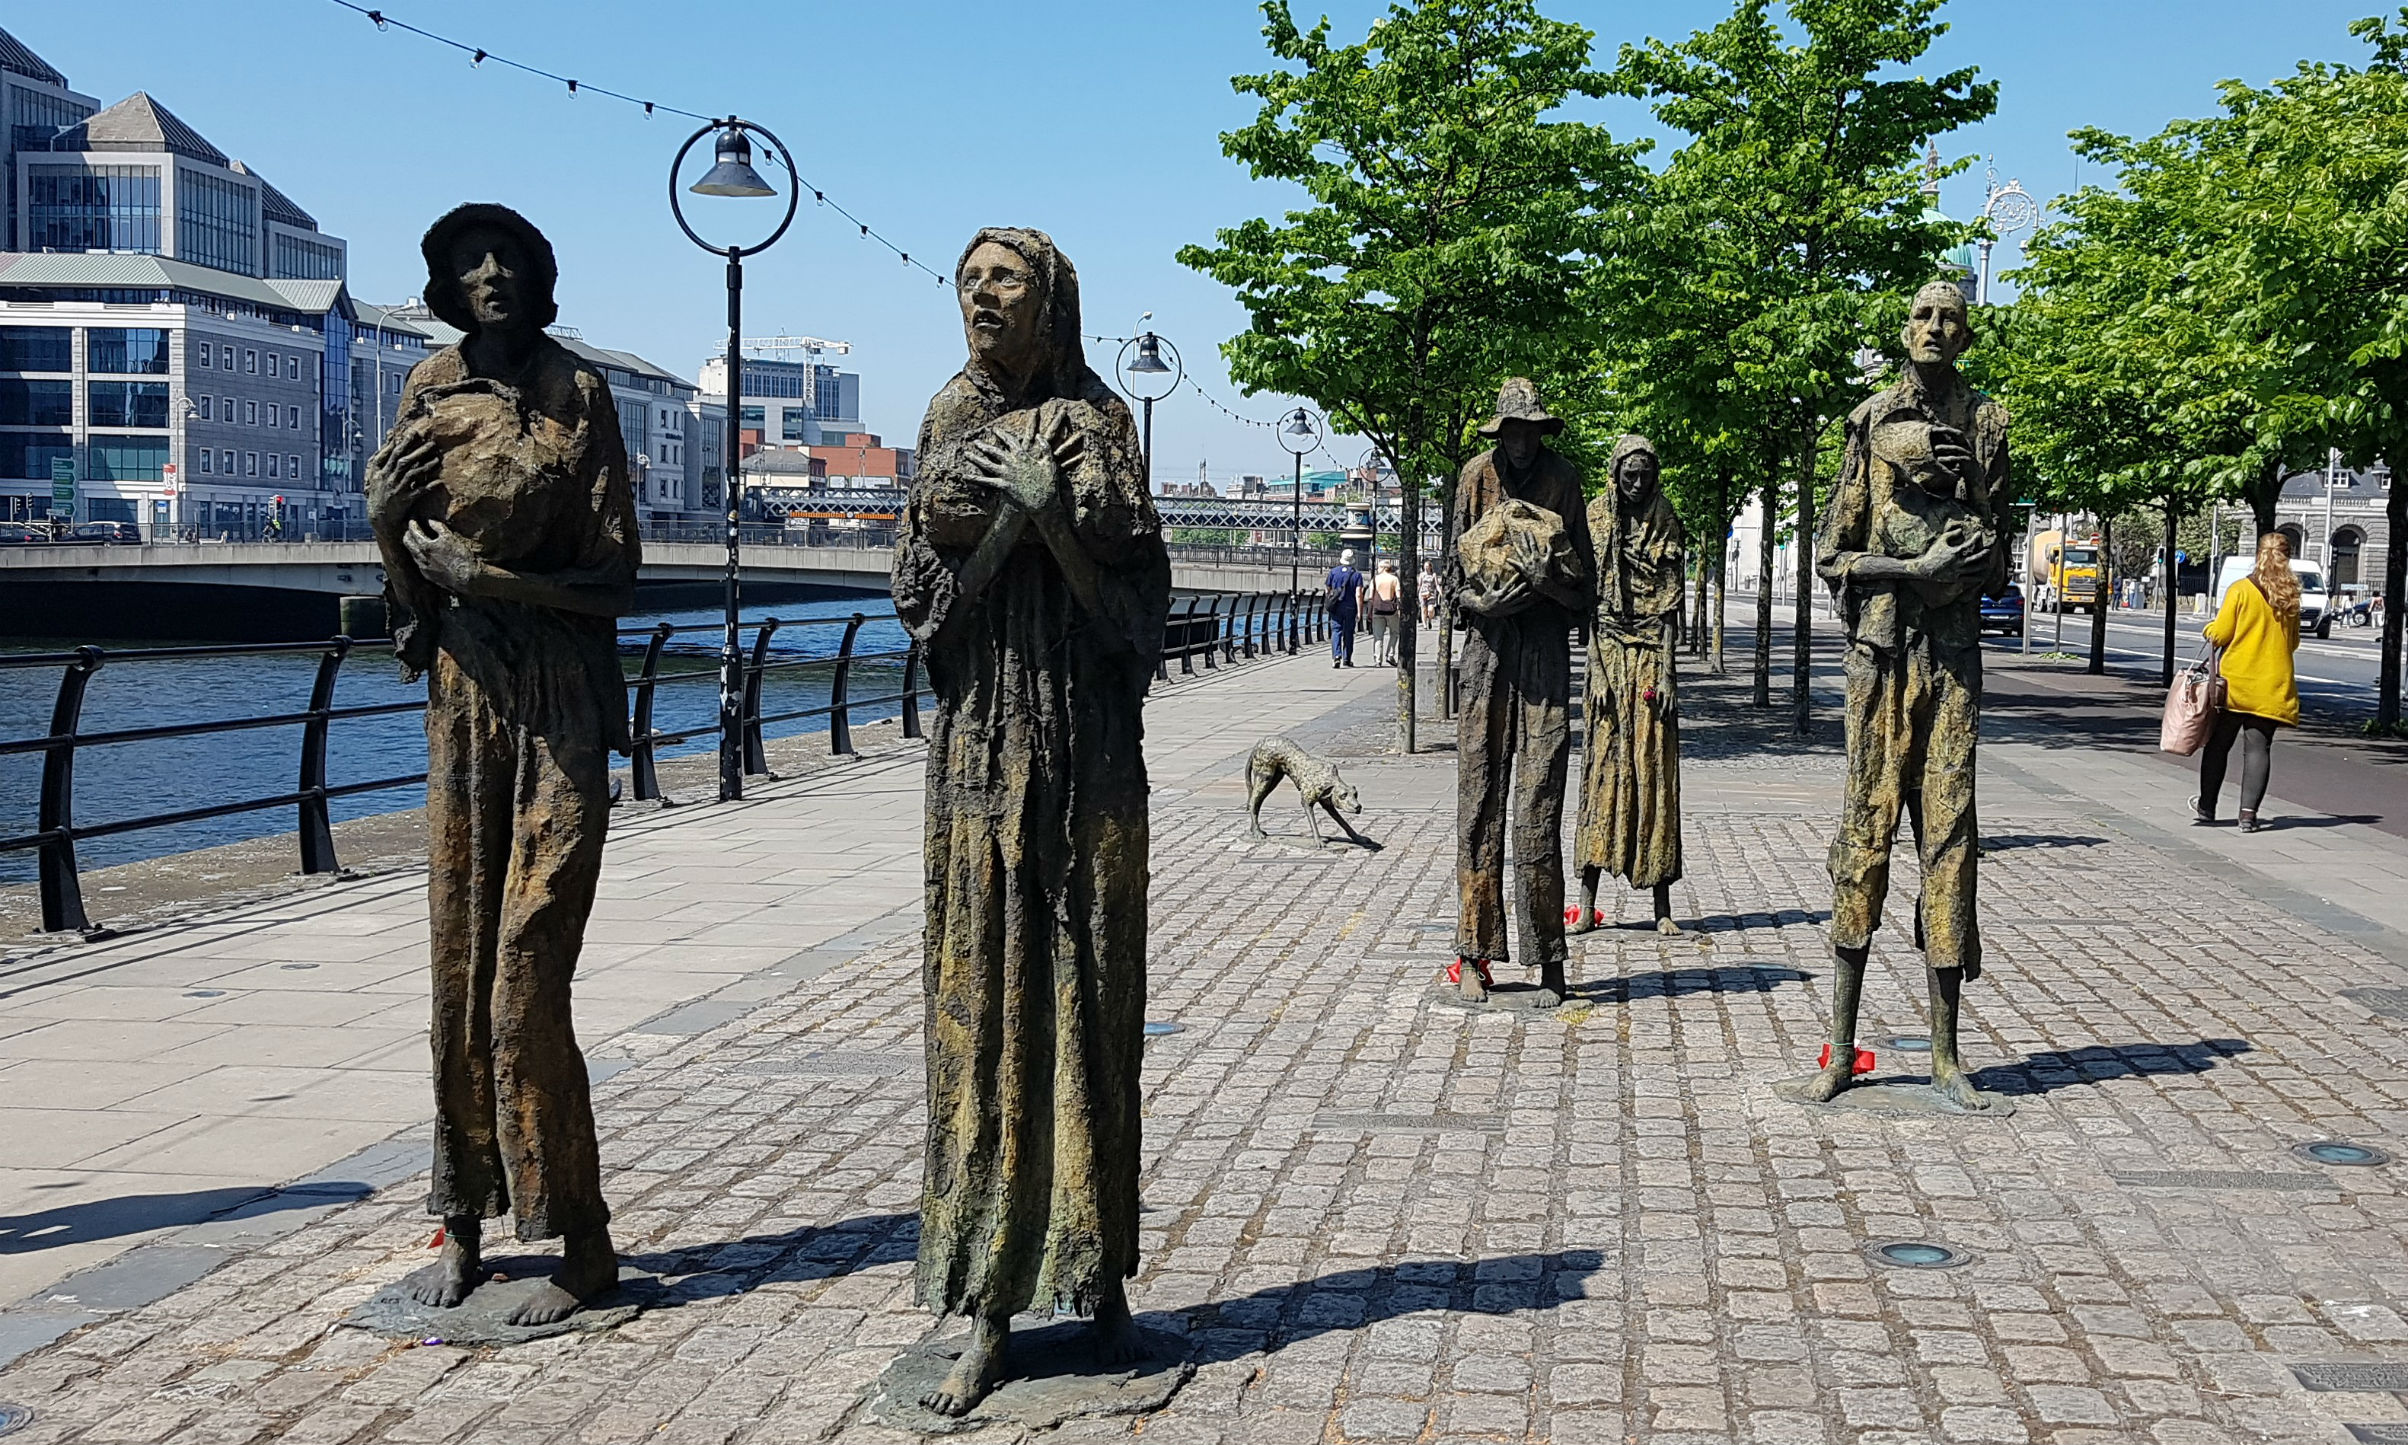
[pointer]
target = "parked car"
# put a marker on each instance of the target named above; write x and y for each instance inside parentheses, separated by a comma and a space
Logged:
(18, 534)
(107, 532)
(2004, 613)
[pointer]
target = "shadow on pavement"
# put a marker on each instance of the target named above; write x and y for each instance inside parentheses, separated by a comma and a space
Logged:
(2070, 1068)
(1741, 922)
(140, 1213)
(1684, 982)
(2314, 820)
(1270, 1320)
(2004, 841)
(733, 1267)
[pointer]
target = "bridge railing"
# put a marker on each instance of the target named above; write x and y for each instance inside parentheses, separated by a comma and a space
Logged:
(1217, 630)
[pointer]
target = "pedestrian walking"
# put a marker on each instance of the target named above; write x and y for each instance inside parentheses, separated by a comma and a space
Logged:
(1345, 586)
(2257, 629)
(1426, 589)
(1385, 596)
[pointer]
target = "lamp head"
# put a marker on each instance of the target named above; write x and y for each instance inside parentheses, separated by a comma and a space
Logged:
(1149, 356)
(1299, 425)
(733, 173)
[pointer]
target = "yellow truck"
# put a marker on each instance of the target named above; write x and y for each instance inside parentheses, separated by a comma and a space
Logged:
(2064, 573)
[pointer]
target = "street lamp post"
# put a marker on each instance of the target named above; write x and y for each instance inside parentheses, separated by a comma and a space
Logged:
(1137, 371)
(2008, 209)
(732, 174)
(1299, 433)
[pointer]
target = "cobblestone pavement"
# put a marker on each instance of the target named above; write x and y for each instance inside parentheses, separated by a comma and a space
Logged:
(1377, 1217)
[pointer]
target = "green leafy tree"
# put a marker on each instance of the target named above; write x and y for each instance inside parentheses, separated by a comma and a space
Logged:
(1800, 181)
(1452, 214)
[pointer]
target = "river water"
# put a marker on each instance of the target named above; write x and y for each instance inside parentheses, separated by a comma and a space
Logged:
(131, 780)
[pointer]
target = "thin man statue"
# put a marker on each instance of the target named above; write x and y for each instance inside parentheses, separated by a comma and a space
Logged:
(1912, 540)
(503, 510)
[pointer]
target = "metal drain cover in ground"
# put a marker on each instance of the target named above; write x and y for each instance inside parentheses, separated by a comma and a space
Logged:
(1916, 1254)
(2346, 1155)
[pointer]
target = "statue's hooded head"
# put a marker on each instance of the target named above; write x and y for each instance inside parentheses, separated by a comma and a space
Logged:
(1938, 326)
(487, 267)
(1020, 313)
(1635, 469)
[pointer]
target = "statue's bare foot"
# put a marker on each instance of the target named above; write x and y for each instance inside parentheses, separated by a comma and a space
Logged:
(1668, 928)
(1957, 1092)
(1118, 1341)
(588, 1270)
(973, 1377)
(457, 1272)
(1470, 977)
(1822, 1086)
(1579, 920)
(1551, 987)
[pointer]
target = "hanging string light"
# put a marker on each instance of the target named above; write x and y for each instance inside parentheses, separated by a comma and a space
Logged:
(478, 55)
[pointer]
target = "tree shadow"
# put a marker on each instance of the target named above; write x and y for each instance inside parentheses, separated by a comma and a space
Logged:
(2047, 1072)
(1742, 922)
(126, 1214)
(1685, 982)
(2005, 841)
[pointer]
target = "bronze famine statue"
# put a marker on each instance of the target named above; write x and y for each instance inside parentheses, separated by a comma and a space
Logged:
(1520, 573)
(1317, 785)
(502, 507)
(1030, 566)
(1630, 794)
(1911, 542)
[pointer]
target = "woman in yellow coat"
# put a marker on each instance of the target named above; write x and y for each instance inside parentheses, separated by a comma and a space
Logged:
(2258, 630)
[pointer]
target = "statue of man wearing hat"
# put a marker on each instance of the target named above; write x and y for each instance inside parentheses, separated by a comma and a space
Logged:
(1520, 574)
(503, 510)
(1911, 542)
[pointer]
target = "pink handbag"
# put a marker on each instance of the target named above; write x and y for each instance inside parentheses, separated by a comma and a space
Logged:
(2191, 706)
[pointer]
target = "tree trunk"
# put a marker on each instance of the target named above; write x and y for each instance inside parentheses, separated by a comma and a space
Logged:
(1764, 597)
(2106, 593)
(1408, 617)
(1697, 625)
(1722, 555)
(2261, 495)
(2165, 671)
(2395, 587)
(1801, 667)
(1442, 671)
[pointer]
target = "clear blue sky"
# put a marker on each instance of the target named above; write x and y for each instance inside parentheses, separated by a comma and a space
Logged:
(1098, 122)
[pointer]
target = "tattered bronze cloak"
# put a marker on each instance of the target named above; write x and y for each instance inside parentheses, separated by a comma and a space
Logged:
(1630, 799)
(1034, 967)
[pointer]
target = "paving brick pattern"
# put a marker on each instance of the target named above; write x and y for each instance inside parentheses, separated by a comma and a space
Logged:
(1376, 1217)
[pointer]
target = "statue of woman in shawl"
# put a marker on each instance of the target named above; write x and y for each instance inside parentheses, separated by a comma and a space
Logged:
(1030, 566)
(1630, 785)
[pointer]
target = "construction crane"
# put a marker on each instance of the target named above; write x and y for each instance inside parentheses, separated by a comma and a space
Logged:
(784, 345)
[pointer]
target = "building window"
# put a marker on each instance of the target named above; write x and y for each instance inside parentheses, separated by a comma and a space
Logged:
(127, 459)
(127, 403)
(292, 466)
(798, 424)
(37, 403)
(217, 222)
(749, 416)
(272, 465)
(225, 411)
(204, 459)
(225, 462)
(205, 405)
(271, 413)
(292, 418)
(250, 413)
(250, 362)
(225, 358)
(300, 260)
(25, 454)
(126, 351)
(36, 348)
(93, 208)
(204, 352)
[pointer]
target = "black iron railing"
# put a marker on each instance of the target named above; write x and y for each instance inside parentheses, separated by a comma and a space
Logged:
(1219, 630)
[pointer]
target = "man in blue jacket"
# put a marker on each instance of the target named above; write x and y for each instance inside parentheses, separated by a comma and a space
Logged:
(1345, 586)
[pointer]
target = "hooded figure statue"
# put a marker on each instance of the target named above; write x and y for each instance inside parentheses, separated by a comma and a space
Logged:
(1030, 566)
(503, 511)
(1630, 796)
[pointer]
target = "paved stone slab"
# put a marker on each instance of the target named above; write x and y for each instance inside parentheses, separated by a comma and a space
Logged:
(1051, 1377)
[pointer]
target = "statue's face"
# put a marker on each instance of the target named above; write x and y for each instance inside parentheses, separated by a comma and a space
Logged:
(492, 272)
(1636, 476)
(1937, 330)
(1002, 305)
(1518, 441)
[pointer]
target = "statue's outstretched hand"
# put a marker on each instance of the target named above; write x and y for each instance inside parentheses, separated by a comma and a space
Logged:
(402, 470)
(1022, 465)
(443, 556)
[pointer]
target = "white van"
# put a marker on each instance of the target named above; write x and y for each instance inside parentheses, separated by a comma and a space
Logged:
(2314, 603)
